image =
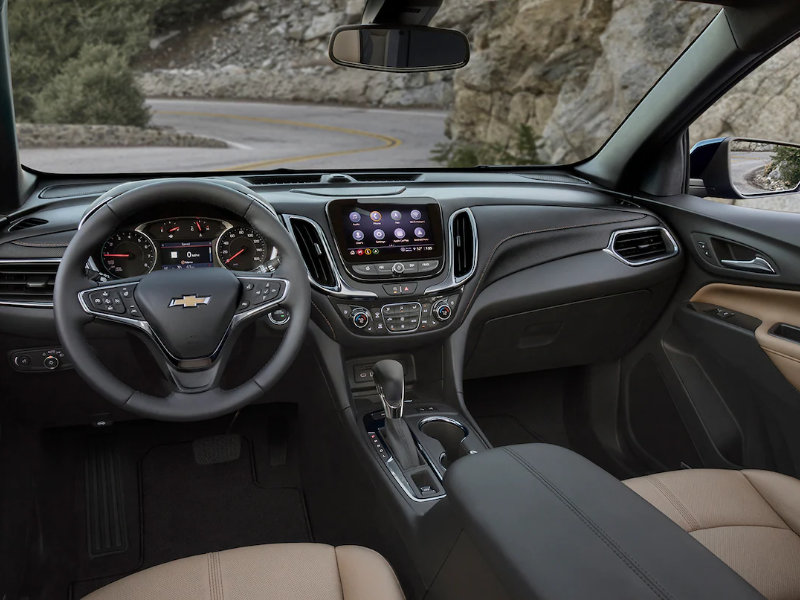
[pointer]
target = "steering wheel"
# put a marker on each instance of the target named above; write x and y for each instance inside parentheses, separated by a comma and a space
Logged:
(191, 316)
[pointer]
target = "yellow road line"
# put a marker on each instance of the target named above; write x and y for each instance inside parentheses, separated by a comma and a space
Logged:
(388, 141)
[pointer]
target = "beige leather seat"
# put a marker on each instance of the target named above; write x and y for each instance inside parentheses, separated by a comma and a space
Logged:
(749, 519)
(273, 572)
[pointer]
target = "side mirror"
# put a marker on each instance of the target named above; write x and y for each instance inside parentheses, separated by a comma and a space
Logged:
(735, 168)
(398, 49)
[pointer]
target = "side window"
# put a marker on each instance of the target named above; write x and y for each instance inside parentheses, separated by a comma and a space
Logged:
(762, 115)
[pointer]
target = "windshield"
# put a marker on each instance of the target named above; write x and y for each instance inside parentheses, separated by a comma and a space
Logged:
(213, 85)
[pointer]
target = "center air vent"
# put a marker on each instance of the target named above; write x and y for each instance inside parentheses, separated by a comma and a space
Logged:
(314, 251)
(27, 283)
(27, 223)
(643, 246)
(462, 231)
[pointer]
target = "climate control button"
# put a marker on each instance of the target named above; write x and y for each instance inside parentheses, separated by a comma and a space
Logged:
(442, 310)
(360, 318)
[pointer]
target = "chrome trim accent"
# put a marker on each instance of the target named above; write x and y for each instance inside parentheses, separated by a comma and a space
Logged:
(341, 290)
(397, 474)
(669, 239)
(28, 261)
(435, 418)
(452, 282)
(758, 265)
(436, 464)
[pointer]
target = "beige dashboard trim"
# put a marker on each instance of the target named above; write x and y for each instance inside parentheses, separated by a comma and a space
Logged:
(771, 306)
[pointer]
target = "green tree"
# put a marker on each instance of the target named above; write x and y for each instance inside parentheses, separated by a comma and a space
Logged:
(102, 74)
(524, 150)
(48, 36)
(787, 159)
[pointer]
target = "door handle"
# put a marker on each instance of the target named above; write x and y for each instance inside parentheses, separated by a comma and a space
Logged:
(758, 265)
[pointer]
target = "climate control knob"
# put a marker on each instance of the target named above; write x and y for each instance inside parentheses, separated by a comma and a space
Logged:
(360, 318)
(442, 310)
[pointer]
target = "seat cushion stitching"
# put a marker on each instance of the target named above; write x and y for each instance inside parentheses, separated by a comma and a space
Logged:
(745, 526)
(767, 502)
(339, 571)
(630, 562)
(691, 521)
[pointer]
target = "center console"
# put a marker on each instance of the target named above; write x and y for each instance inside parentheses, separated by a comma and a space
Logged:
(395, 248)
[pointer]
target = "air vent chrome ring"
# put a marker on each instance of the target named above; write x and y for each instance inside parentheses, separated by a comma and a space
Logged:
(670, 244)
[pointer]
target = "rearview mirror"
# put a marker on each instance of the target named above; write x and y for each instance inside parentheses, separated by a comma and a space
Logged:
(734, 168)
(399, 49)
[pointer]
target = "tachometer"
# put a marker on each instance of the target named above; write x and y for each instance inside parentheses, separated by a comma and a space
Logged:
(242, 249)
(128, 254)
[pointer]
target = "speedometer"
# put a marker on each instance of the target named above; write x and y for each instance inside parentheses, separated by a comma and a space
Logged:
(128, 254)
(242, 249)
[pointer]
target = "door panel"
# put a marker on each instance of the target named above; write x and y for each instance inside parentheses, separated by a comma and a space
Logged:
(727, 352)
(779, 313)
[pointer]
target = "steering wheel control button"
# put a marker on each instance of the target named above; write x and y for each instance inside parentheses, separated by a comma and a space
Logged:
(256, 292)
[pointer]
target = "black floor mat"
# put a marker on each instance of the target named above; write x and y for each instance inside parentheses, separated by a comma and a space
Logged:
(190, 508)
(176, 498)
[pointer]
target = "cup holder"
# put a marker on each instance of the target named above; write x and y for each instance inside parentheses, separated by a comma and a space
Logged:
(450, 434)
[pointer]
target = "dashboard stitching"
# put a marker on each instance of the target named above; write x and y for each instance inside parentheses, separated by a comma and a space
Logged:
(522, 234)
(322, 314)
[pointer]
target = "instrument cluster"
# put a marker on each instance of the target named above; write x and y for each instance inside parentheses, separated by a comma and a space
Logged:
(186, 243)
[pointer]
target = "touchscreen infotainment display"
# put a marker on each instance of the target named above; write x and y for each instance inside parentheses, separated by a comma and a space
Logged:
(385, 232)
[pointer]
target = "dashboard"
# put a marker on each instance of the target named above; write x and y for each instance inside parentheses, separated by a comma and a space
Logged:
(516, 269)
(192, 242)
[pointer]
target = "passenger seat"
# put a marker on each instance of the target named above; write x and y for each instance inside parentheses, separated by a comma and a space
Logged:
(748, 519)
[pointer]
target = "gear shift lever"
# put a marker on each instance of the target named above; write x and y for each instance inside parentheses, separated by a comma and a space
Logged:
(390, 382)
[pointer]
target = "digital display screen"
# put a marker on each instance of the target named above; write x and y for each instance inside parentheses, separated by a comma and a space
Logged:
(187, 255)
(388, 232)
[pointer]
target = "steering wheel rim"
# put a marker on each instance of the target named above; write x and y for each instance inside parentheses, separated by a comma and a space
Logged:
(203, 401)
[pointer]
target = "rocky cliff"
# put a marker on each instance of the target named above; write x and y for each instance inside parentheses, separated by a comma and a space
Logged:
(571, 69)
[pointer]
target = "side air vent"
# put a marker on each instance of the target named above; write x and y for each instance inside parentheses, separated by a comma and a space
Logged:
(462, 231)
(314, 251)
(26, 223)
(643, 246)
(27, 283)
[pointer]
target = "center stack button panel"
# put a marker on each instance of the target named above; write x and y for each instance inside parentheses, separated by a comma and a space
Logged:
(380, 318)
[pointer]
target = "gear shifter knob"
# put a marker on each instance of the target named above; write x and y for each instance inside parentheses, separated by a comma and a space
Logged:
(390, 380)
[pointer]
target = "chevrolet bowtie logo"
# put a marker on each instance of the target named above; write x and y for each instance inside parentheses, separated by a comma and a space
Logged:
(189, 301)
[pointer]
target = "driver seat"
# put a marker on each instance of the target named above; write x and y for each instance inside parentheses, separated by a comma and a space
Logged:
(270, 572)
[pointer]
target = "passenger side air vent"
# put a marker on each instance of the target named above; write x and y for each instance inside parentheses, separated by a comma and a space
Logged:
(26, 223)
(27, 283)
(643, 246)
(463, 239)
(314, 251)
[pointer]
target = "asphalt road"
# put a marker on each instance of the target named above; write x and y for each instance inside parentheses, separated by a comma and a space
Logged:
(264, 136)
